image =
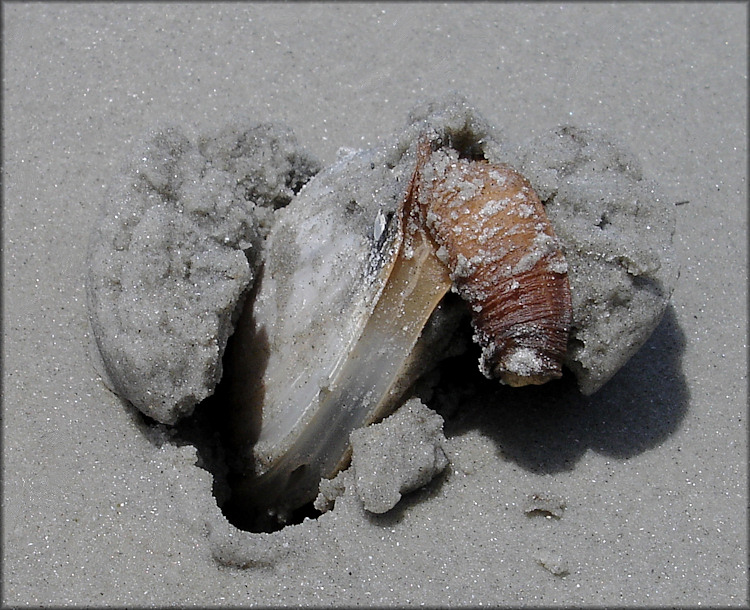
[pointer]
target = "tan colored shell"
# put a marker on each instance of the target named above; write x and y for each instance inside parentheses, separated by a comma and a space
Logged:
(504, 259)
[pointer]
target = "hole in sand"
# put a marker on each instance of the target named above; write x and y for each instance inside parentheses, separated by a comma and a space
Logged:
(206, 430)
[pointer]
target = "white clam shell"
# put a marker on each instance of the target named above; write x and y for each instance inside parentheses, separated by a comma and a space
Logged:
(319, 354)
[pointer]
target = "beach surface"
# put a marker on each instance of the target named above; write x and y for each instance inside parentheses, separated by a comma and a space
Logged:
(634, 496)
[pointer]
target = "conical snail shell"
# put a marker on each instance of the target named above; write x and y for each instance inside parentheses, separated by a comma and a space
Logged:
(504, 259)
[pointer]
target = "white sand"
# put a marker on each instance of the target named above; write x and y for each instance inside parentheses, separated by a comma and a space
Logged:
(652, 470)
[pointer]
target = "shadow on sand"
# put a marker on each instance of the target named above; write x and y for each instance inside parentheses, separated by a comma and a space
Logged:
(546, 429)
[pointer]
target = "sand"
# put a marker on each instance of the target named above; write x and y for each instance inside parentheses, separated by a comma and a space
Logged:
(636, 495)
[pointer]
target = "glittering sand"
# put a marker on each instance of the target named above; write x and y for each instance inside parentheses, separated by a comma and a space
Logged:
(636, 495)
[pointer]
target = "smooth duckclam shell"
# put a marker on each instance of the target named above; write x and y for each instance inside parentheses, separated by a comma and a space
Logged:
(327, 347)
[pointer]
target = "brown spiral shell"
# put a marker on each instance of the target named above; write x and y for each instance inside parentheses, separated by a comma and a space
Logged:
(492, 232)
